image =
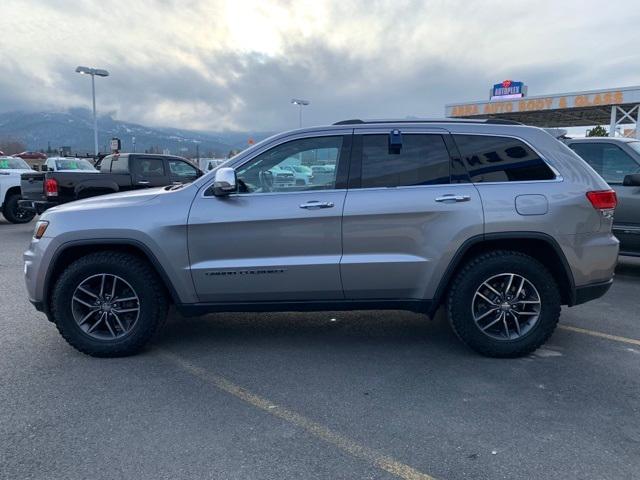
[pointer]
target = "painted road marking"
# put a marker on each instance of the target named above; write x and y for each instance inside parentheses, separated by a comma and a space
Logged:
(593, 333)
(338, 440)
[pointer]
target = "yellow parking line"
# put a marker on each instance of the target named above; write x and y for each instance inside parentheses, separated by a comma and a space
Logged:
(345, 444)
(593, 333)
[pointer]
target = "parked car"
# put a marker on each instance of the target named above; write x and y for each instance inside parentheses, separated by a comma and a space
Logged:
(323, 174)
(617, 160)
(302, 174)
(31, 155)
(10, 193)
(118, 173)
(69, 164)
(501, 224)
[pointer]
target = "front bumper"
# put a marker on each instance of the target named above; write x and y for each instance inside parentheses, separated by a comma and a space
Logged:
(586, 293)
(37, 206)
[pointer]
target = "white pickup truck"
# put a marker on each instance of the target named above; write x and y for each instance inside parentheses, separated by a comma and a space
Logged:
(10, 170)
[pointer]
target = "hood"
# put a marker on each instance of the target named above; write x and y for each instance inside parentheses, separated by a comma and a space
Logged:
(112, 200)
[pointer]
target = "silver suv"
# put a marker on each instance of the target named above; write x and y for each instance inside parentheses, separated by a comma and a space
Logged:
(495, 221)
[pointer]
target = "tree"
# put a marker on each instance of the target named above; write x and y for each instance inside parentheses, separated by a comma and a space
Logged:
(597, 131)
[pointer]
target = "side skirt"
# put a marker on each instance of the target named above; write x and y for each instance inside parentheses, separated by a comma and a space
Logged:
(196, 309)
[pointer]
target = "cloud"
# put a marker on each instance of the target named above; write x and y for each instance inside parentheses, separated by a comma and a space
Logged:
(236, 65)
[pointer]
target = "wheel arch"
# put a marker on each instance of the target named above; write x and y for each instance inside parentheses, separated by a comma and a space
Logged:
(71, 251)
(15, 190)
(540, 246)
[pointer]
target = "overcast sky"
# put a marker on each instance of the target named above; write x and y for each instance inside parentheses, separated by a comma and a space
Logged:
(216, 65)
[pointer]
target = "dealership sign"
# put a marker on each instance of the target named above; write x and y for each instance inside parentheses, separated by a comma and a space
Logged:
(508, 89)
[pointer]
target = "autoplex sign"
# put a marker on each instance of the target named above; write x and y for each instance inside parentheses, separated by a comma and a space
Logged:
(537, 104)
(507, 89)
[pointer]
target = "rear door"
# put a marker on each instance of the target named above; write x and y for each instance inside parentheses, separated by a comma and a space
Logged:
(148, 171)
(407, 212)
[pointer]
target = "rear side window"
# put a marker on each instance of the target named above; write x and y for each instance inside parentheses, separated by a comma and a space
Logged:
(501, 159)
(422, 160)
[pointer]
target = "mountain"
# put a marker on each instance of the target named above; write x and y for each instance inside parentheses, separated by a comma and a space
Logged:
(74, 128)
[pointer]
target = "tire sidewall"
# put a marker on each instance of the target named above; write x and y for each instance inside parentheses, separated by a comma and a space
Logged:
(460, 305)
(141, 332)
(10, 210)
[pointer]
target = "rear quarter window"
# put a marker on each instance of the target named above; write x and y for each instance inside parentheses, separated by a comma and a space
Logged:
(501, 159)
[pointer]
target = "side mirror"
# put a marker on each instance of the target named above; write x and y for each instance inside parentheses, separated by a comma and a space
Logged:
(632, 180)
(225, 182)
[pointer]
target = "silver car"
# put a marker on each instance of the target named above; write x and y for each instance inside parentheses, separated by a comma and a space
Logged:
(496, 222)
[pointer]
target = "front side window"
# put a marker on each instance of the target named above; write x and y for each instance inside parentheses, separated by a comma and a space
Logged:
(298, 165)
(501, 159)
(181, 169)
(609, 160)
(150, 167)
(423, 159)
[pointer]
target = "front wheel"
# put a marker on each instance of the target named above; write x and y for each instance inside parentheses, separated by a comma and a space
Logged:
(109, 304)
(504, 304)
(14, 213)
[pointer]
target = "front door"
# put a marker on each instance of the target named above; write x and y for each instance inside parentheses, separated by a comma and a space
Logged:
(148, 172)
(613, 162)
(406, 214)
(276, 239)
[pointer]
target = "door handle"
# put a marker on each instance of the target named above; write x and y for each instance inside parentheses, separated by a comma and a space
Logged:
(316, 204)
(143, 182)
(450, 198)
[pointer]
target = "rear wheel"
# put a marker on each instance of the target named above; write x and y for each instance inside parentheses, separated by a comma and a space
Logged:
(504, 304)
(109, 304)
(13, 213)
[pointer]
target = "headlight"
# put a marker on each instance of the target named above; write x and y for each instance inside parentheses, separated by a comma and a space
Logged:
(41, 227)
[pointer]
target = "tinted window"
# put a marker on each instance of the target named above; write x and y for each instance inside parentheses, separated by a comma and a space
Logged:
(500, 159)
(118, 164)
(182, 169)
(305, 164)
(149, 167)
(422, 160)
(609, 160)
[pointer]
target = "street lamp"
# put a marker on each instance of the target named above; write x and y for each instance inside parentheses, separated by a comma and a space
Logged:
(301, 103)
(93, 72)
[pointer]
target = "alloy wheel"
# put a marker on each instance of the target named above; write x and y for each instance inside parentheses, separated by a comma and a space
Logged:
(105, 306)
(506, 306)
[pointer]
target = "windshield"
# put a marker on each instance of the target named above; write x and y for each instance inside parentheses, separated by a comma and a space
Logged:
(635, 146)
(74, 164)
(13, 163)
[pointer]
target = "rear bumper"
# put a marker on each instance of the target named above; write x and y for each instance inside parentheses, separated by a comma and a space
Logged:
(590, 292)
(37, 206)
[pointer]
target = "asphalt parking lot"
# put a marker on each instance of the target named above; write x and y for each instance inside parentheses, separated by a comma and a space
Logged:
(327, 395)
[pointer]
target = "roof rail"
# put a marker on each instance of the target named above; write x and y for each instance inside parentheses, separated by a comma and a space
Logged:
(492, 121)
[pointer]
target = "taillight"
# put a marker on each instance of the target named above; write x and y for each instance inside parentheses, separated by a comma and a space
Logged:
(603, 199)
(51, 187)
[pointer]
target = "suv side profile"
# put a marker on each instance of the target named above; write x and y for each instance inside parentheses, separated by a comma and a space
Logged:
(495, 221)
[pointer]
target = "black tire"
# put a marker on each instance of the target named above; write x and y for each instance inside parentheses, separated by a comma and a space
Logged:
(15, 214)
(143, 279)
(480, 269)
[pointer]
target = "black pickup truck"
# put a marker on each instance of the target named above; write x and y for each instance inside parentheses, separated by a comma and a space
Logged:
(118, 173)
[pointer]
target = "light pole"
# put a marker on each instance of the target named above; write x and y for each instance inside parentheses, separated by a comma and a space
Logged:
(93, 72)
(301, 103)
